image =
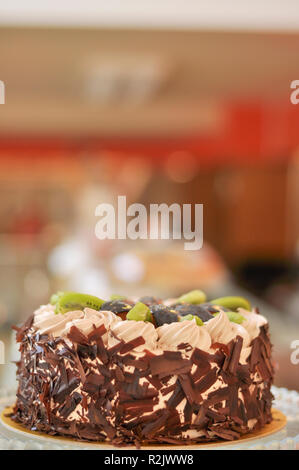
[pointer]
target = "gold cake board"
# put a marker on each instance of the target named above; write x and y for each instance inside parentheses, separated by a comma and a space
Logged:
(278, 423)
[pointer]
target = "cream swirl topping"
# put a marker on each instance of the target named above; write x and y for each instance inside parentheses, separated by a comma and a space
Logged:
(93, 319)
(223, 331)
(128, 330)
(46, 321)
(252, 323)
(173, 334)
(168, 336)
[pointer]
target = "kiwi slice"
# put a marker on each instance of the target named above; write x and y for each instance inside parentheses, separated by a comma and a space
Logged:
(69, 301)
(232, 303)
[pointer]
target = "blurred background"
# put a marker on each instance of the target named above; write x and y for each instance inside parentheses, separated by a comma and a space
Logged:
(177, 102)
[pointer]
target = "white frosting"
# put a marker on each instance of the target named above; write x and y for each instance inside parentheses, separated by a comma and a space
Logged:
(128, 330)
(173, 334)
(223, 331)
(252, 322)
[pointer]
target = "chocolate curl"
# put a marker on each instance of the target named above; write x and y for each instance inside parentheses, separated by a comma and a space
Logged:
(134, 343)
(218, 396)
(70, 405)
(226, 434)
(169, 363)
(96, 336)
(97, 333)
(80, 368)
(76, 336)
(176, 397)
(21, 331)
(97, 418)
(207, 381)
(187, 387)
(154, 426)
(93, 383)
(235, 355)
(200, 420)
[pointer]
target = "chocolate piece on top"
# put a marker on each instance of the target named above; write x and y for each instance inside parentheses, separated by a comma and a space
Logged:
(116, 306)
(163, 314)
(197, 310)
(148, 300)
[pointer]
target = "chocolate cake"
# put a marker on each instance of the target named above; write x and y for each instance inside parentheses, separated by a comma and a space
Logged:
(144, 373)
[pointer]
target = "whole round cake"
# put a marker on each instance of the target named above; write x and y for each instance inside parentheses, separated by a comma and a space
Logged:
(144, 371)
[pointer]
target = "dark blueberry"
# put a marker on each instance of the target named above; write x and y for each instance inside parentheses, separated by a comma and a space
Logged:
(198, 310)
(116, 306)
(148, 300)
(163, 314)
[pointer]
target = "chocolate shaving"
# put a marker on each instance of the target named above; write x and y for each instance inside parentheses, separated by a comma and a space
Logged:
(200, 420)
(93, 383)
(134, 343)
(207, 381)
(70, 405)
(186, 385)
(23, 329)
(97, 333)
(235, 355)
(218, 396)
(170, 363)
(98, 419)
(154, 426)
(77, 336)
(176, 397)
